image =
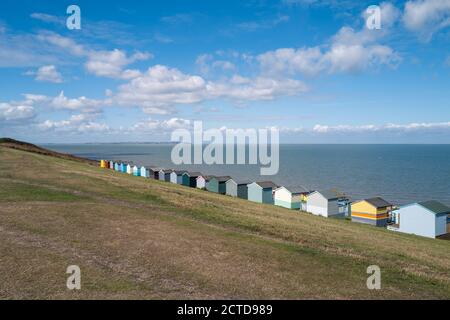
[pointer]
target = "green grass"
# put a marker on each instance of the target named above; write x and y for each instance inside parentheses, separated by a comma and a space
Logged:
(13, 191)
(139, 238)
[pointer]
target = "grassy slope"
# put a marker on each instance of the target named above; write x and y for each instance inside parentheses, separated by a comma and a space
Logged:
(139, 238)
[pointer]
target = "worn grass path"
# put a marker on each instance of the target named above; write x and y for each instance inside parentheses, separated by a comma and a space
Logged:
(144, 239)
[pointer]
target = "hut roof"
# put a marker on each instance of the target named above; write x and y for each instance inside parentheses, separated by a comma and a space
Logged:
(378, 202)
(206, 177)
(179, 172)
(296, 189)
(330, 194)
(193, 174)
(222, 178)
(266, 184)
(435, 206)
(241, 182)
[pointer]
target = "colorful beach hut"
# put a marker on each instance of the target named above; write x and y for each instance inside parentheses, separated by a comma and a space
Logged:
(176, 176)
(123, 167)
(427, 219)
(291, 197)
(136, 171)
(129, 169)
(325, 203)
(144, 172)
(236, 188)
(218, 184)
(261, 192)
(103, 164)
(374, 211)
(116, 166)
(111, 165)
(189, 179)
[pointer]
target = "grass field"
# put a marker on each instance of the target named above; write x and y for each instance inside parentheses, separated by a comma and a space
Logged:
(135, 238)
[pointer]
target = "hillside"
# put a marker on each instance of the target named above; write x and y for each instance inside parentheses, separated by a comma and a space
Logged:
(139, 238)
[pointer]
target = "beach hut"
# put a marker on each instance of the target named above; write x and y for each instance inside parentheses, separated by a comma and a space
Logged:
(427, 219)
(116, 166)
(374, 211)
(324, 203)
(123, 167)
(202, 181)
(136, 171)
(261, 192)
(154, 172)
(161, 175)
(236, 188)
(218, 184)
(111, 165)
(129, 169)
(189, 179)
(176, 176)
(144, 172)
(103, 164)
(164, 174)
(291, 197)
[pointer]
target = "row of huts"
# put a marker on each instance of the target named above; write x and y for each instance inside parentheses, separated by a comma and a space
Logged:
(428, 219)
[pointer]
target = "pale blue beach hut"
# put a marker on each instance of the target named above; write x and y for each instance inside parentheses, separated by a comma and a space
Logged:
(261, 192)
(116, 166)
(177, 176)
(144, 172)
(123, 167)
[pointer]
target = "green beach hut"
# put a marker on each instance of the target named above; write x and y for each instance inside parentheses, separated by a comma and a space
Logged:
(218, 184)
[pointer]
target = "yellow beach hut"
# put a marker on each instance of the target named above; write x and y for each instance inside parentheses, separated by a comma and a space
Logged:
(103, 164)
(374, 211)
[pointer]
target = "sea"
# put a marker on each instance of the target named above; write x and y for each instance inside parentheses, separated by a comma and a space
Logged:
(401, 174)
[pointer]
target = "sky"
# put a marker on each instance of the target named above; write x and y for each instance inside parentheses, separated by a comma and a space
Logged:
(138, 70)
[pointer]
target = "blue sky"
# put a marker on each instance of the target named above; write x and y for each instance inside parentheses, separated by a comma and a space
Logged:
(138, 70)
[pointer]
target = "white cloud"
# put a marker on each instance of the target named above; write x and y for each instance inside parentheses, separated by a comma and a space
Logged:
(160, 88)
(44, 17)
(64, 43)
(426, 16)
(348, 51)
(47, 73)
(80, 123)
(81, 104)
(382, 128)
(255, 89)
(14, 113)
(111, 63)
(160, 126)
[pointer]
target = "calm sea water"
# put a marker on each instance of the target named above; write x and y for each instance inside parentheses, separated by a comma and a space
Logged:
(398, 173)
